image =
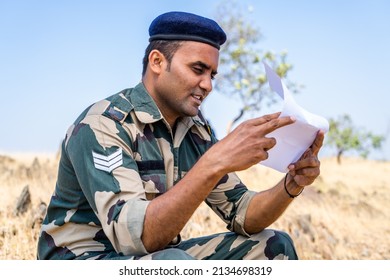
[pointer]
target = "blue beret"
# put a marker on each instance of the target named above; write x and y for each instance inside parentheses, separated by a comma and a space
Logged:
(187, 27)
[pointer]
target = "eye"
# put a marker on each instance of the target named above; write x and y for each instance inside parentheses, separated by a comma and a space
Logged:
(198, 70)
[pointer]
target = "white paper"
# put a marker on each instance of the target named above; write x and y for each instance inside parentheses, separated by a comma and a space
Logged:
(291, 140)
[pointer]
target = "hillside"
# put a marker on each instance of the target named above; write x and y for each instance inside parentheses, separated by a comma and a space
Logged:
(343, 215)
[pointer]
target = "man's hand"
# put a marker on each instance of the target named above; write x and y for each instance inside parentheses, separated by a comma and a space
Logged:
(307, 168)
(247, 144)
(242, 148)
(267, 206)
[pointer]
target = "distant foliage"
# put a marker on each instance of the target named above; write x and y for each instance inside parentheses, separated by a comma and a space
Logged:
(345, 137)
(241, 71)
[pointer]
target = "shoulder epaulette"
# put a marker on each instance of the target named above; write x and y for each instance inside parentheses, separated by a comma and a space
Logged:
(119, 106)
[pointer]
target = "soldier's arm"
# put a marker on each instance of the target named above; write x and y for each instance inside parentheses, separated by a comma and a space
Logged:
(267, 206)
(245, 146)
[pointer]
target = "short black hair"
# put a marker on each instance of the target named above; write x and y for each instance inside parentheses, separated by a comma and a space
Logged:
(167, 47)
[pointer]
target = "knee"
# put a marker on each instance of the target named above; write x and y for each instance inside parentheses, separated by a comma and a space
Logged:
(172, 254)
(280, 246)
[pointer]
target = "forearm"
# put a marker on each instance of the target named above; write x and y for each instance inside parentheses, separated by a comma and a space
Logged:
(267, 206)
(167, 214)
(242, 148)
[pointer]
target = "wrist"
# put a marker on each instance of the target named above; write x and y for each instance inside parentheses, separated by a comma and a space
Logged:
(214, 162)
(291, 187)
(211, 167)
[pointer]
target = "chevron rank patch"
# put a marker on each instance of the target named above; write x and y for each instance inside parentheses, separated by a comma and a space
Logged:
(108, 163)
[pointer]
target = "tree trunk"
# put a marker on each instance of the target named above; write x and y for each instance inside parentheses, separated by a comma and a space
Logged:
(339, 153)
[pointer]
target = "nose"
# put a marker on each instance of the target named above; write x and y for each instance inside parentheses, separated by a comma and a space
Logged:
(206, 84)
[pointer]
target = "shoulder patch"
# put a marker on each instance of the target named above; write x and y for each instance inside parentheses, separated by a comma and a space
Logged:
(119, 107)
(115, 114)
(108, 163)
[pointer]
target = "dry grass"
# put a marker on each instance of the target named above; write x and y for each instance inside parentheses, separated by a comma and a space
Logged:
(344, 215)
(18, 235)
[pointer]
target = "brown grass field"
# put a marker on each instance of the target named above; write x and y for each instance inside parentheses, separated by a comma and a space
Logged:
(344, 215)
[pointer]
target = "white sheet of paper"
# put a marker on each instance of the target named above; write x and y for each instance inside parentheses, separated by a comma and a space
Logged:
(291, 140)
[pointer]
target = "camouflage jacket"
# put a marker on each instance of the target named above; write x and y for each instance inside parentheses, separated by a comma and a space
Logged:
(116, 157)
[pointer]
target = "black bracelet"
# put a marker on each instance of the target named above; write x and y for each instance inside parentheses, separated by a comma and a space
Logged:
(289, 194)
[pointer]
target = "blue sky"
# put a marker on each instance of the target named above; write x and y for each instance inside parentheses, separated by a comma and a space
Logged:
(57, 57)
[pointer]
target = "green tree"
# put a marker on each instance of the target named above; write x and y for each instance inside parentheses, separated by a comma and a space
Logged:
(344, 137)
(241, 71)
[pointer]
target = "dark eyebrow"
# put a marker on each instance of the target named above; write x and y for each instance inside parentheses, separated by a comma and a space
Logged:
(206, 66)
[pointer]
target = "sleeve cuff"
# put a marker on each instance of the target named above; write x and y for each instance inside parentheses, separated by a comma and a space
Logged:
(135, 224)
(237, 224)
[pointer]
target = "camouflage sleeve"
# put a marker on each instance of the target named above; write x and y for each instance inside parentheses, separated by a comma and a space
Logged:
(100, 152)
(230, 200)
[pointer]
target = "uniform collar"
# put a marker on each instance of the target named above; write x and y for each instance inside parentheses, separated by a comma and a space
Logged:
(145, 108)
(147, 111)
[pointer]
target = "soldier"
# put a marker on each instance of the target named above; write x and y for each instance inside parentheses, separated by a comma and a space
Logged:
(135, 166)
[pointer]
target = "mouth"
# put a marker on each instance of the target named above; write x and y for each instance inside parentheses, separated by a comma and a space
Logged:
(198, 98)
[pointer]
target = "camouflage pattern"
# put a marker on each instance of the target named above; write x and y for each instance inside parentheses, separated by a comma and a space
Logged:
(117, 156)
(266, 245)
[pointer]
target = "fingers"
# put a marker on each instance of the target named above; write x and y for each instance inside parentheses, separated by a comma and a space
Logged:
(277, 123)
(318, 141)
(266, 118)
(268, 143)
(310, 156)
(307, 160)
(303, 180)
(272, 122)
(305, 170)
(305, 176)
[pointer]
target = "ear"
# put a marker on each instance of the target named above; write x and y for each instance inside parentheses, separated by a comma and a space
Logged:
(156, 61)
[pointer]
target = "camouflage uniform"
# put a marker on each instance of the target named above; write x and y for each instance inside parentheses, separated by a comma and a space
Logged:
(116, 157)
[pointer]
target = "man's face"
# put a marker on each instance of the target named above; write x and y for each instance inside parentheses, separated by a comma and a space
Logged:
(183, 86)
